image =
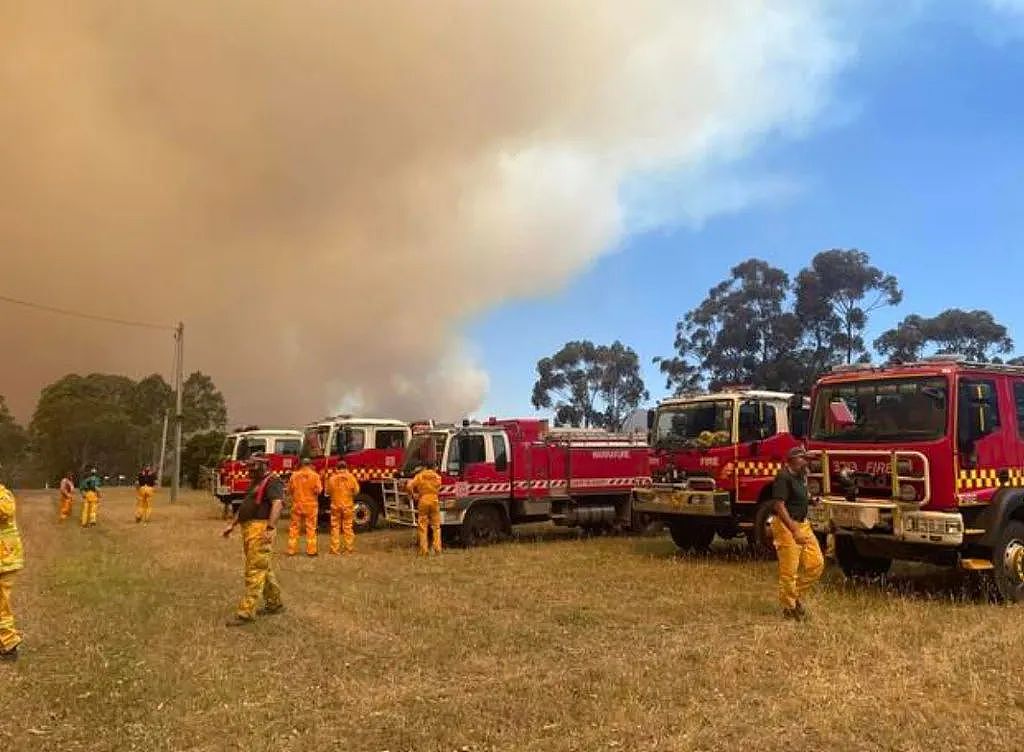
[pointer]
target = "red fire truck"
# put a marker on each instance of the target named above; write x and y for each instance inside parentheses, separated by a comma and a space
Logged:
(280, 445)
(715, 457)
(503, 472)
(373, 448)
(923, 461)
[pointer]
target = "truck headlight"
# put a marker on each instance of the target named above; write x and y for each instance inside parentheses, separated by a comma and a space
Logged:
(908, 493)
(814, 487)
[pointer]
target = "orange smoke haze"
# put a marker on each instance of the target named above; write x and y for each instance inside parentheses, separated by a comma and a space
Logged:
(325, 192)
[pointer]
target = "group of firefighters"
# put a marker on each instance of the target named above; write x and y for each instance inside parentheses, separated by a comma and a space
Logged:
(800, 559)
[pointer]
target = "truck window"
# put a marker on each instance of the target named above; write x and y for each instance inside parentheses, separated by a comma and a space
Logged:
(1018, 398)
(349, 440)
(910, 409)
(247, 447)
(288, 447)
(500, 452)
(389, 439)
(472, 449)
(227, 450)
(753, 430)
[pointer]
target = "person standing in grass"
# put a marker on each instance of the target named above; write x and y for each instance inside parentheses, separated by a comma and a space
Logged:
(67, 494)
(342, 488)
(305, 487)
(424, 489)
(90, 488)
(258, 515)
(12, 560)
(145, 490)
(800, 560)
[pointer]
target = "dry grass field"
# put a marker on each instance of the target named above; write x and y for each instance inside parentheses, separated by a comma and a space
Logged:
(548, 642)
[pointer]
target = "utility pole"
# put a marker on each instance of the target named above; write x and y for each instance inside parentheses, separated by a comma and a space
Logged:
(179, 338)
(163, 450)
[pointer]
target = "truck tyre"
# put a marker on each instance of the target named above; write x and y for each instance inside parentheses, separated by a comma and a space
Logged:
(482, 525)
(855, 566)
(366, 513)
(759, 537)
(1008, 560)
(689, 536)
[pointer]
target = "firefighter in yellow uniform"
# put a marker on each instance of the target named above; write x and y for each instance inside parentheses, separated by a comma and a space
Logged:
(342, 488)
(67, 494)
(12, 559)
(305, 488)
(800, 559)
(90, 488)
(424, 488)
(145, 490)
(258, 515)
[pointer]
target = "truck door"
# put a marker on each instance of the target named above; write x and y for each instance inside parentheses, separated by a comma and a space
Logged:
(502, 460)
(760, 448)
(981, 429)
(389, 446)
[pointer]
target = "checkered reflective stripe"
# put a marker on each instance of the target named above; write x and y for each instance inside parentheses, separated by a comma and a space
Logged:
(368, 473)
(754, 469)
(973, 480)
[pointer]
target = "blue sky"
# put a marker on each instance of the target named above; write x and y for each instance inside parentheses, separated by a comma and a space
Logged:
(918, 160)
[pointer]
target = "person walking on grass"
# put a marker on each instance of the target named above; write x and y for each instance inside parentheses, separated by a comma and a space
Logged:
(258, 515)
(145, 490)
(90, 489)
(800, 559)
(67, 495)
(12, 560)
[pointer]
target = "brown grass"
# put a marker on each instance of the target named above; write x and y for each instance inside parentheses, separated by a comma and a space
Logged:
(550, 642)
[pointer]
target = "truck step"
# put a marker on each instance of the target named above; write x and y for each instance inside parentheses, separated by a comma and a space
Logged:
(976, 565)
(745, 525)
(975, 532)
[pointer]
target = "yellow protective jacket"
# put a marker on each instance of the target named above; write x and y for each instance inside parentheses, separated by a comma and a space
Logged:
(342, 487)
(305, 486)
(425, 485)
(12, 556)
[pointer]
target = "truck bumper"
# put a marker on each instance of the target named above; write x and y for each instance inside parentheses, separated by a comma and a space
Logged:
(888, 520)
(676, 500)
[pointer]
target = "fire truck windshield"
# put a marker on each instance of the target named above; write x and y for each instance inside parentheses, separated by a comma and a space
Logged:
(315, 440)
(703, 423)
(913, 409)
(424, 447)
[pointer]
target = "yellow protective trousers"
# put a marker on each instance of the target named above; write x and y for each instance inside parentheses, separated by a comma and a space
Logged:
(343, 527)
(65, 506)
(800, 565)
(144, 503)
(428, 514)
(90, 502)
(9, 636)
(260, 580)
(303, 515)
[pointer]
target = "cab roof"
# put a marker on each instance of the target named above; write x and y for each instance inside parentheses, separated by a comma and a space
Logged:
(286, 432)
(348, 420)
(763, 394)
(940, 365)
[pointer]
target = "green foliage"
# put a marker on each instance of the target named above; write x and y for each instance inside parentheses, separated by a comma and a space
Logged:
(590, 385)
(740, 333)
(974, 334)
(13, 444)
(201, 450)
(203, 406)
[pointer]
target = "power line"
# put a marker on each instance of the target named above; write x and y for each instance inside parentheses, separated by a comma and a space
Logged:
(79, 314)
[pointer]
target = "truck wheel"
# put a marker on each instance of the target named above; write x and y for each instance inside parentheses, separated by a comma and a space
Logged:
(482, 525)
(366, 513)
(855, 566)
(759, 537)
(1008, 559)
(687, 536)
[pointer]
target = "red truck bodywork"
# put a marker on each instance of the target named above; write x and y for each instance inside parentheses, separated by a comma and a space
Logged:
(281, 447)
(373, 449)
(923, 461)
(715, 457)
(505, 472)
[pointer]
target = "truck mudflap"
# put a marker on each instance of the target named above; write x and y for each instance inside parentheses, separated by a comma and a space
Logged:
(677, 499)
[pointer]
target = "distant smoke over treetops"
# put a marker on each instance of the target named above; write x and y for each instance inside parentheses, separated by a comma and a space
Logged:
(326, 192)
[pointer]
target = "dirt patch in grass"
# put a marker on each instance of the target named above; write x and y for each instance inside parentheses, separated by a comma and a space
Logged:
(548, 642)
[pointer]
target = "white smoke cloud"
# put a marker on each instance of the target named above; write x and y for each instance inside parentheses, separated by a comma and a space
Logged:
(327, 192)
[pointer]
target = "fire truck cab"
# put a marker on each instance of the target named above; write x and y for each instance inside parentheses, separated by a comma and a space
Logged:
(715, 457)
(925, 462)
(373, 448)
(505, 472)
(280, 445)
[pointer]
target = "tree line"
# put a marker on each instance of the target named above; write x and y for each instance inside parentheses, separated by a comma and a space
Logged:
(111, 422)
(761, 326)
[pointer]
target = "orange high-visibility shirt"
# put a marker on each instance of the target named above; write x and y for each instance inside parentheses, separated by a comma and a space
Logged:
(342, 487)
(426, 484)
(305, 486)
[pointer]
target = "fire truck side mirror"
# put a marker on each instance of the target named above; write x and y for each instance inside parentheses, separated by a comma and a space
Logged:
(650, 419)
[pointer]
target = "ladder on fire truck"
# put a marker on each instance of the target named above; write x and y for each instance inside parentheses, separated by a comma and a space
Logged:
(394, 509)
